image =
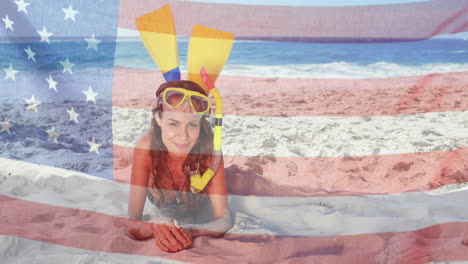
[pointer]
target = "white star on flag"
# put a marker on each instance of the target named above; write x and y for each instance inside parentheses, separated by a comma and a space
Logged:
(5, 126)
(90, 95)
(32, 103)
(10, 73)
(22, 6)
(45, 35)
(67, 66)
(30, 53)
(8, 22)
(52, 83)
(73, 115)
(93, 146)
(53, 135)
(69, 13)
(92, 42)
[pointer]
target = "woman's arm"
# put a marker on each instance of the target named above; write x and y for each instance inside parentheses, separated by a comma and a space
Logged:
(217, 191)
(138, 185)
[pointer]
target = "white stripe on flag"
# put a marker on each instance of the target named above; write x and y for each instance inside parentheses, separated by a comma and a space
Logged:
(319, 136)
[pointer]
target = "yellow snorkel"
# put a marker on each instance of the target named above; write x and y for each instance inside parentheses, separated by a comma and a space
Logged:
(208, 51)
(198, 182)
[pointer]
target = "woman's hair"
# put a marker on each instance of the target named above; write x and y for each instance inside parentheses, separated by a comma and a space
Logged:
(201, 152)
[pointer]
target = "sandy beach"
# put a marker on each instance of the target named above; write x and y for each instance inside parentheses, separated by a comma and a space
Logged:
(344, 140)
(408, 170)
(358, 136)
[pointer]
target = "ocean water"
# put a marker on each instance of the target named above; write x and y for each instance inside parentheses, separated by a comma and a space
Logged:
(322, 60)
(265, 58)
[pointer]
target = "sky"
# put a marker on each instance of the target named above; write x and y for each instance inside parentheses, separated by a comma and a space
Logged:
(310, 2)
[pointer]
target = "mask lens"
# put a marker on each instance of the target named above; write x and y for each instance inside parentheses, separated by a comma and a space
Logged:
(199, 103)
(174, 98)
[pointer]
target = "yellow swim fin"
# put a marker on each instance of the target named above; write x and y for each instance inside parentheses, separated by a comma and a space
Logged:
(157, 31)
(208, 48)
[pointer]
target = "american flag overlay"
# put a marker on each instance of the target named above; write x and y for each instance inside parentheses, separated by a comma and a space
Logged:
(345, 131)
(57, 64)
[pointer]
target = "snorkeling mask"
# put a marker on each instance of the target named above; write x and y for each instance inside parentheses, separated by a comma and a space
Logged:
(174, 97)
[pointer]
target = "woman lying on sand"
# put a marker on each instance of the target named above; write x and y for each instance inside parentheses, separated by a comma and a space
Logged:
(180, 141)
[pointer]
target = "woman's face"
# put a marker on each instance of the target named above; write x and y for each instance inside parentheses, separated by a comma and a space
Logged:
(180, 131)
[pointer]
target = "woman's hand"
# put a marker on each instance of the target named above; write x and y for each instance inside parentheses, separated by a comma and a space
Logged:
(170, 237)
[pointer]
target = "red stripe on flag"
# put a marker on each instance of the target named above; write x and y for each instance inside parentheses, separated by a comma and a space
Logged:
(331, 176)
(317, 97)
(407, 21)
(100, 232)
